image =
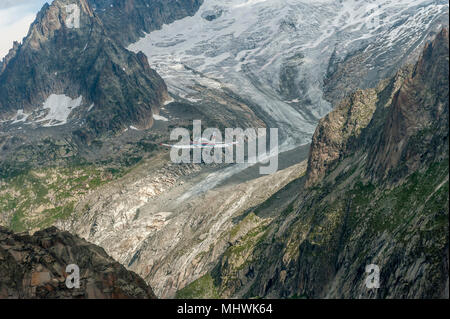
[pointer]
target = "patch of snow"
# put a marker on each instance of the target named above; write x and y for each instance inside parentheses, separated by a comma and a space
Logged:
(160, 118)
(134, 128)
(170, 100)
(20, 117)
(59, 108)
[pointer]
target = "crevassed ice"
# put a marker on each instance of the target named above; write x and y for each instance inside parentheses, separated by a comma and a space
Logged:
(243, 46)
(248, 42)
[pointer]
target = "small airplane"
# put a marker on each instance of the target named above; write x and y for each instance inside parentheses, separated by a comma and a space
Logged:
(202, 143)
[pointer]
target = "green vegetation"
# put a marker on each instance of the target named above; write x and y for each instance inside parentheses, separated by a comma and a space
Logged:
(35, 199)
(394, 209)
(202, 288)
(245, 236)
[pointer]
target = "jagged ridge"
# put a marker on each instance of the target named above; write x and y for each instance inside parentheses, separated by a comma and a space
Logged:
(119, 88)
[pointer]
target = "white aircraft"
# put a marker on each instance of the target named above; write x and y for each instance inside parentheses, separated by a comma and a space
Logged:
(202, 143)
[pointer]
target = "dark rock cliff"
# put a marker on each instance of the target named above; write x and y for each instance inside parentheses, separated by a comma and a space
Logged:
(387, 121)
(56, 58)
(89, 59)
(127, 20)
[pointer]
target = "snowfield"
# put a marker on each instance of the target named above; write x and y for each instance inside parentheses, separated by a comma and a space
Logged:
(59, 108)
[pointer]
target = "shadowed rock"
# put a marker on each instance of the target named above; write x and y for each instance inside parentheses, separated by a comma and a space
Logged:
(35, 267)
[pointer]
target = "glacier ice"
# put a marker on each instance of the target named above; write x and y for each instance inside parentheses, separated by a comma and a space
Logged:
(244, 45)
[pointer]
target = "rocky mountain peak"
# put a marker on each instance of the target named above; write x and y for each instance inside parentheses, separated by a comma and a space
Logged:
(70, 71)
(386, 120)
(67, 14)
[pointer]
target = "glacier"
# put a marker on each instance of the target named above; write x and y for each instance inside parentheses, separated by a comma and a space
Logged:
(277, 54)
(245, 45)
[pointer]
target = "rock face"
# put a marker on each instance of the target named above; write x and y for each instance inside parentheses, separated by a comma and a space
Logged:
(337, 129)
(416, 127)
(76, 49)
(376, 192)
(68, 53)
(35, 267)
(388, 120)
(128, 20)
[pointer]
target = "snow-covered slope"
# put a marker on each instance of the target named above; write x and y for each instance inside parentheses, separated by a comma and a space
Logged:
(276, 53)
(60, 107)
(54, 112)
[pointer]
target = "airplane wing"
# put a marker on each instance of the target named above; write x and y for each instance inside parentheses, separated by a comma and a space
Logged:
(192, 146)
(225, 145)
(178, 146)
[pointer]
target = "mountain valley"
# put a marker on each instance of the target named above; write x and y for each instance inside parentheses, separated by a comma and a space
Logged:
(357, 89)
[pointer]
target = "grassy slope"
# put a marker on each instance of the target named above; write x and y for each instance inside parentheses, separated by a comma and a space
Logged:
(34, 199)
